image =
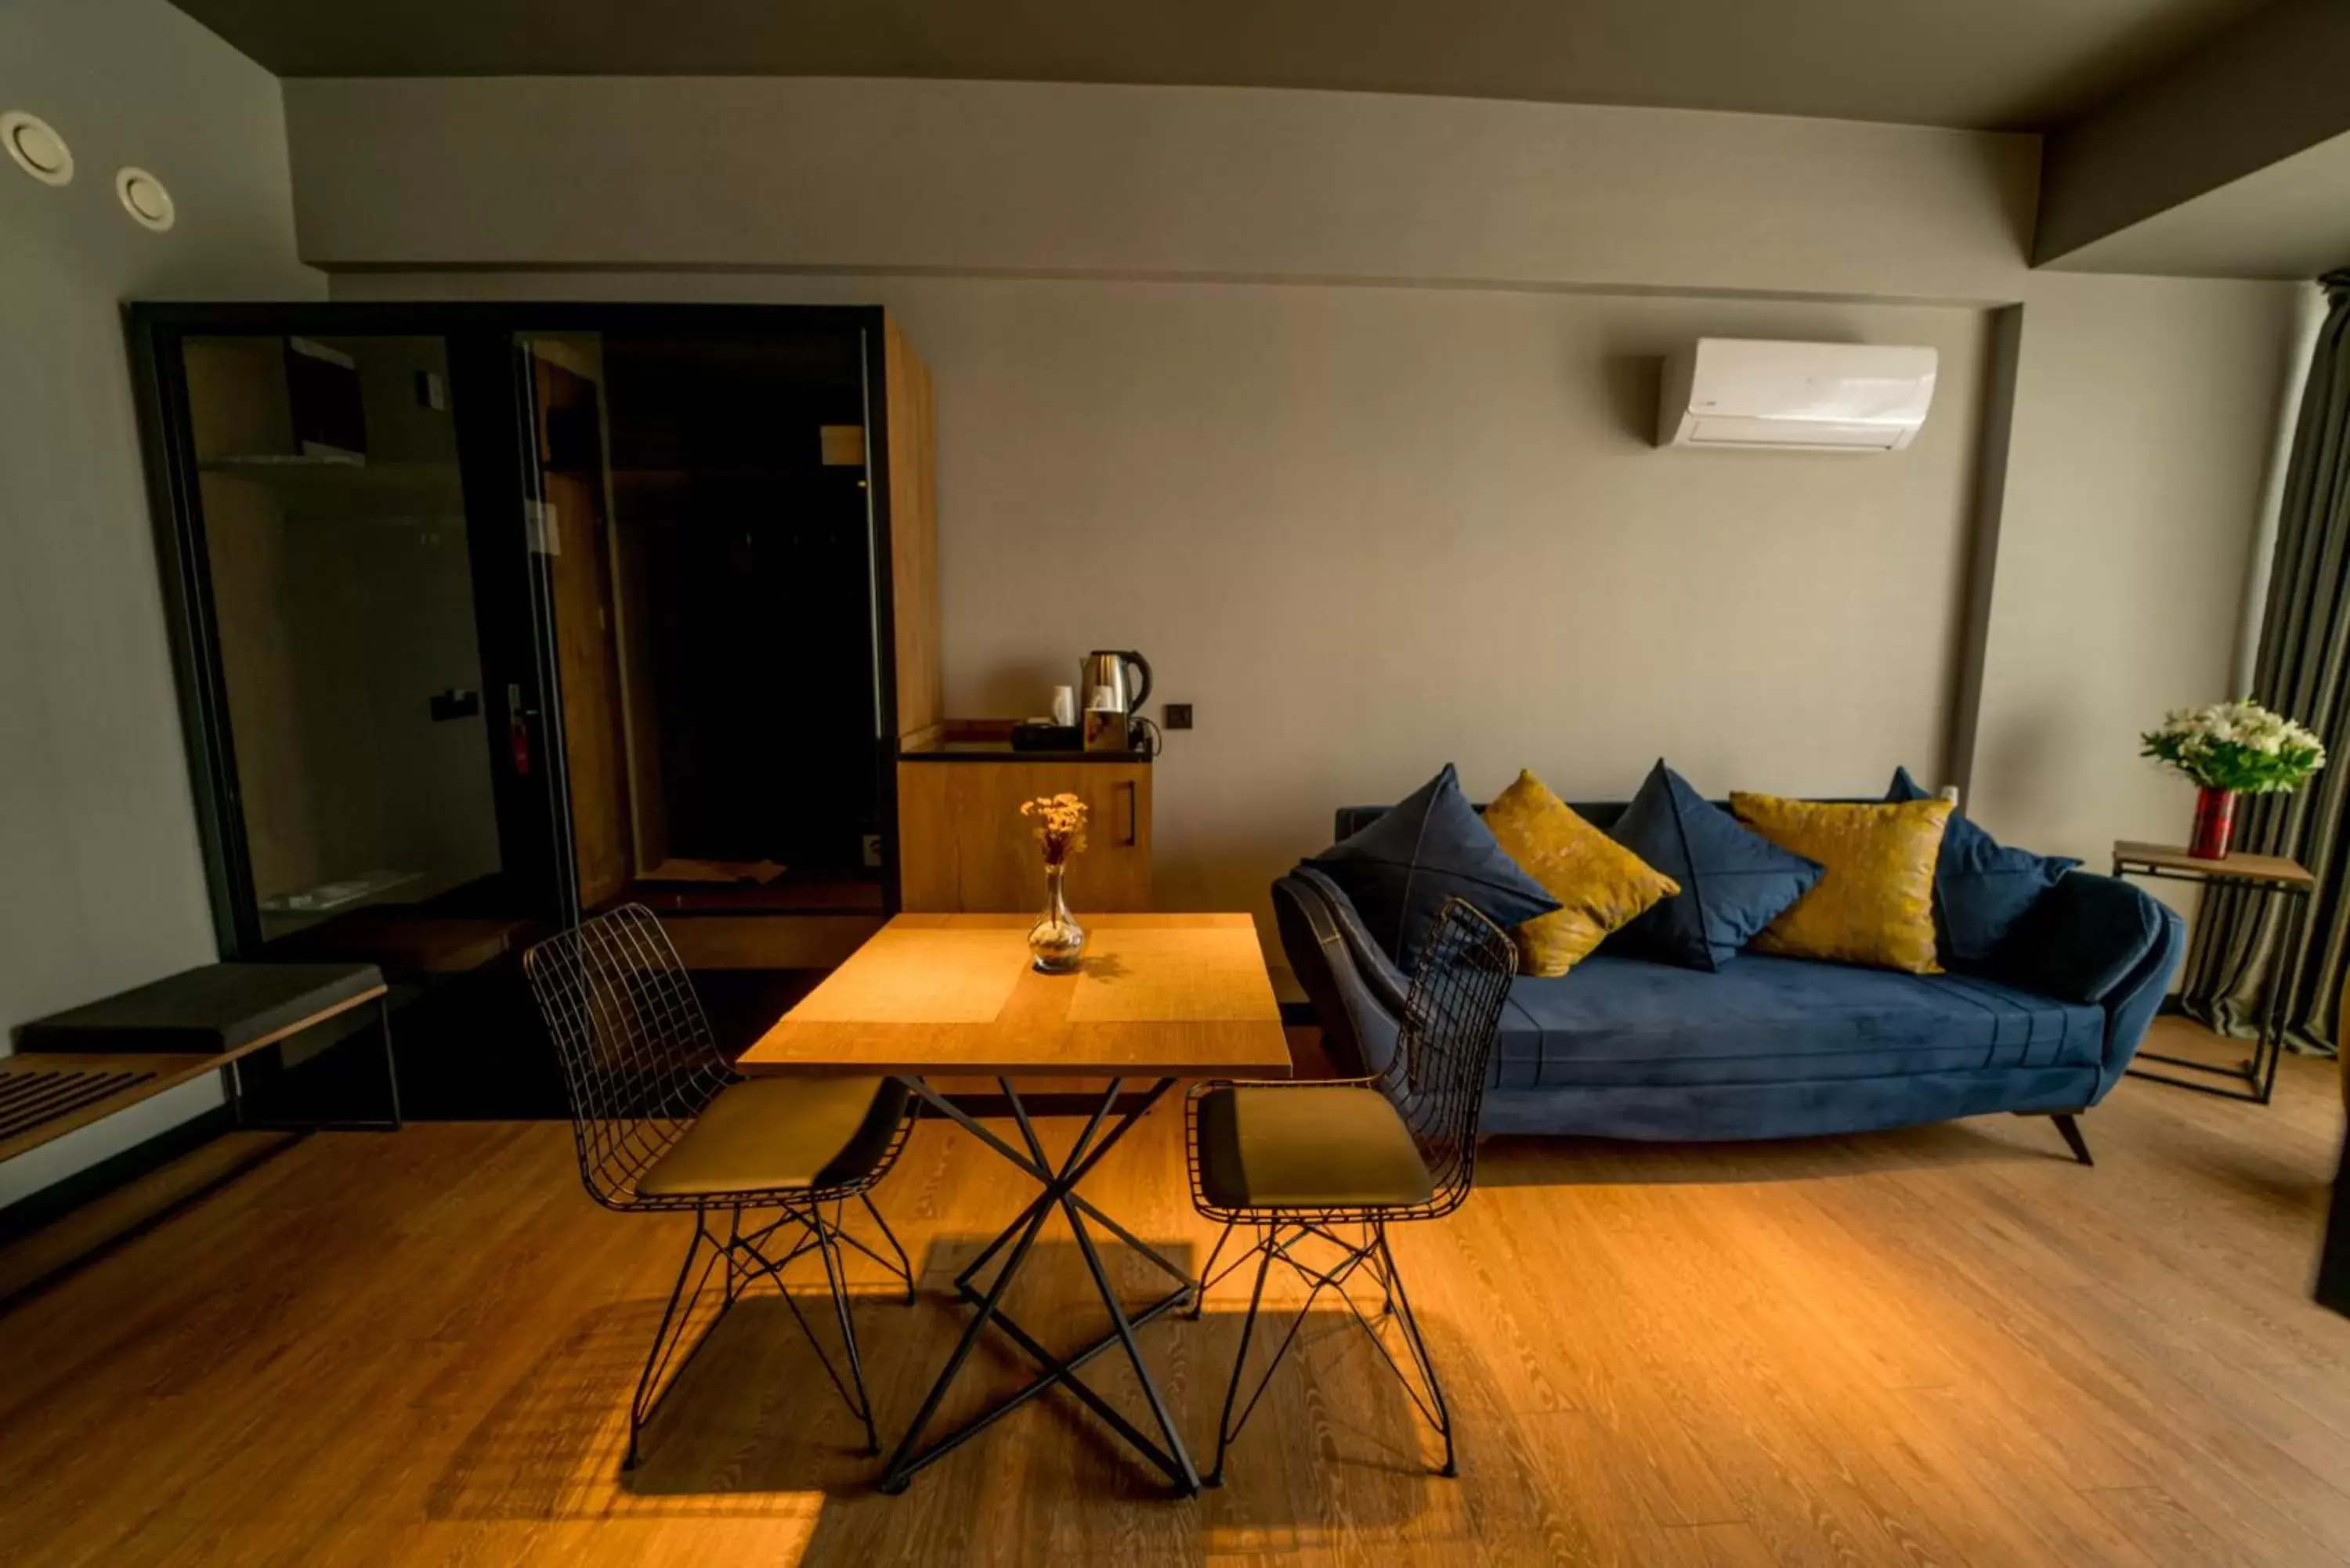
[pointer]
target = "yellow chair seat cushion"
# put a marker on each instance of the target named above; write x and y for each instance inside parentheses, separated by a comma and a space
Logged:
(1313, 1147)
(1874, 904)
(768, 1135)
(1598, 883)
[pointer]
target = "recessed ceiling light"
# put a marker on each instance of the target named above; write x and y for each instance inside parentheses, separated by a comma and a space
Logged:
(38, 149)
(144, 198)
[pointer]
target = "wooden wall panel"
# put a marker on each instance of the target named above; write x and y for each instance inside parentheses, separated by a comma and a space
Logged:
(913, 531)
(587, 658)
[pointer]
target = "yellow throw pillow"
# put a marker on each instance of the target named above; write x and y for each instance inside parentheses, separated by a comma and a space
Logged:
(1598, 883)
(1875, 903)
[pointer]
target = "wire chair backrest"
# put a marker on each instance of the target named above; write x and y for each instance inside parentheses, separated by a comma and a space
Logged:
(638, 1059)
(1444, 1048)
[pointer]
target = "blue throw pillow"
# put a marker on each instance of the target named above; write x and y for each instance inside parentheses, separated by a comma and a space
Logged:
(2080, 941)
(1400, 870)
(1733, 880)
(1982, 887)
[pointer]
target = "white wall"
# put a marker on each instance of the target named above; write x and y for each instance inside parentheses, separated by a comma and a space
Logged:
(1365, 531)
(105, 888)
(1147, 182)
(1333, 404)
(2144, 426)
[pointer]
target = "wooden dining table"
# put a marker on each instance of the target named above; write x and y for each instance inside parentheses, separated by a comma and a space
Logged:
(1158, 998)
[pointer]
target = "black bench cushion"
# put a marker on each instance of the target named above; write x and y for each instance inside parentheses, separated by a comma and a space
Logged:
(220, 1007)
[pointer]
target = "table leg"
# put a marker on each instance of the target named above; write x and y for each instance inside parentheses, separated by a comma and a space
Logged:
(1057, 1371)
(240, 1107)
(1187, 1477)
(2258, 1074)
(391, 1063)
(910, 1456)
(1183, 1471)
(2276, 1013)
(1037, 1167)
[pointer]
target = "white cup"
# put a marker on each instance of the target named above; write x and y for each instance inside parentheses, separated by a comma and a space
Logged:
(1064, 705)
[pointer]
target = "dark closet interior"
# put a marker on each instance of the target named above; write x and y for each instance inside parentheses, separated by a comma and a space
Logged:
(746, 567)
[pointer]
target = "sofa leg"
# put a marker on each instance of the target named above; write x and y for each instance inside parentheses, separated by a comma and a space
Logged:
(2071, 1129)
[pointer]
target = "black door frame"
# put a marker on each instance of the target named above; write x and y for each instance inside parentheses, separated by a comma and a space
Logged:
(497, 452)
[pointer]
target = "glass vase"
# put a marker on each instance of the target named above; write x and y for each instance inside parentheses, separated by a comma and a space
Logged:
(2215, 819)
(1056, 943)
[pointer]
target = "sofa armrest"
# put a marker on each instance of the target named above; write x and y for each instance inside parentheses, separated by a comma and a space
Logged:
(1358, 994)
(2130, 1010)
(2093, 939)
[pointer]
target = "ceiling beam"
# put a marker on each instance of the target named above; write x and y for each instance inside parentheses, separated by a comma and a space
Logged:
(2271, 88)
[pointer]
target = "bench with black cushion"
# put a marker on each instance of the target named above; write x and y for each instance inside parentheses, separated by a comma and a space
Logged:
(221, 1009)
(81, 1065)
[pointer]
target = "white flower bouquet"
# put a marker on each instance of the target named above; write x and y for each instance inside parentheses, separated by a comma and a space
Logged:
(2239, 746)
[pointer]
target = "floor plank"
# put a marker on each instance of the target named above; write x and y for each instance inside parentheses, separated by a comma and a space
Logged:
(1944, 1346)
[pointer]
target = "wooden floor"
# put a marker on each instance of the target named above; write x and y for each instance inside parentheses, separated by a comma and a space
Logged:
(1944, 1346)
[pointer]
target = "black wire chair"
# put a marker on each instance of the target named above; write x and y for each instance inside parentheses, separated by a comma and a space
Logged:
(664, 1125)
(1395, 1146)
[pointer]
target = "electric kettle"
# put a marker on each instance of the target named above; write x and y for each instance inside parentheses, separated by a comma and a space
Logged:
(1109, 681)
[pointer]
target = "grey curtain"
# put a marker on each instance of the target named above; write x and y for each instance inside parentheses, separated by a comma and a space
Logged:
(2302, 670)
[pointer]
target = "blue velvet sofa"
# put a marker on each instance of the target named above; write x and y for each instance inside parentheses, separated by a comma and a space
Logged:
(1776, 1047)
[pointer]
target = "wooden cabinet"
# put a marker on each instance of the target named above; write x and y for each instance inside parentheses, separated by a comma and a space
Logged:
(963, 846)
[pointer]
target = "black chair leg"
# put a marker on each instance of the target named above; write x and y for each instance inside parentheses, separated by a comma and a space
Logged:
(672, 1331)
(905, 1264)
(822, 1236)
(899, 1266)
(1372, 1254)
(838, 1279)
(2071, 1129)
(1208, 1274)
(1380, 1272)
(1441, 1414)
(1215, 1475)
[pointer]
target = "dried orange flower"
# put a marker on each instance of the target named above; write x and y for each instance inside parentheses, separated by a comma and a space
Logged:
(1060, 824)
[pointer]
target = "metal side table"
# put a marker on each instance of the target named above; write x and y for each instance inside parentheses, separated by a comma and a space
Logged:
(2273, 876)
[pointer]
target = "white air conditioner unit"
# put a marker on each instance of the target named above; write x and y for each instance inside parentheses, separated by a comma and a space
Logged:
(1818, 397)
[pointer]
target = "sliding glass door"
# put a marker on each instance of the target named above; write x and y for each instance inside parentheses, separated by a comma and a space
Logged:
(490, 618)
(338, 554)
(361, 659)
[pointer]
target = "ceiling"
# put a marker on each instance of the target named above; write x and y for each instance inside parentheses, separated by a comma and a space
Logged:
(2006, 65)
(2288, 220)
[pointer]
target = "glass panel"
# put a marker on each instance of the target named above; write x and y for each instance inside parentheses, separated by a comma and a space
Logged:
(707, 539)
(343, 596)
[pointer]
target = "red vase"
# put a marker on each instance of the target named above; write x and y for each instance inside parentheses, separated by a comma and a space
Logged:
(2215, 819)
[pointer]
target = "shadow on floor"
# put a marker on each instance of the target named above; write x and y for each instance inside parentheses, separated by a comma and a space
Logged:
(754, 1428)
(1530, 1161)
